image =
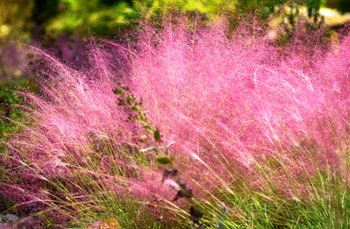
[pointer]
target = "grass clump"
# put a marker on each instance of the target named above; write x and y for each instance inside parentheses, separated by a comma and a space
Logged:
(261, 134)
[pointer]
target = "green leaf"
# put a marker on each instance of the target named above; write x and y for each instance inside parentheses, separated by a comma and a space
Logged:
(130, 99)
(157, 135)
(164, 160)
(119, 91)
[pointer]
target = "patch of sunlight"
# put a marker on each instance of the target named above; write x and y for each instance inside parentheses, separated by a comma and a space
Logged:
(4, 31)
(332, 17)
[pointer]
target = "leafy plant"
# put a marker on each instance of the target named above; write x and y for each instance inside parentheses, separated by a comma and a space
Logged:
(136, 113)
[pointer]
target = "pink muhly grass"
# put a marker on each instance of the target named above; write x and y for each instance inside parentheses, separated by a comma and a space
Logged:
(74, 109)
(231, 105)
(236, 101)
(79, 146)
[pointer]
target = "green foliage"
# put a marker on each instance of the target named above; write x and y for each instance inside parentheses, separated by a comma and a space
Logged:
(10, 112)
(341, 5)
(162, 7)
(135, 110)
(164, 160)
(96, 16)
(15, 19)
(215, 9)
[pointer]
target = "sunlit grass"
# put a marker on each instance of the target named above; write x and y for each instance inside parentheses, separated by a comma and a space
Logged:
(280, 198)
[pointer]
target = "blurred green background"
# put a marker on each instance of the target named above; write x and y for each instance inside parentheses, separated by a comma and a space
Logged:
(61, 25)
